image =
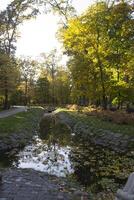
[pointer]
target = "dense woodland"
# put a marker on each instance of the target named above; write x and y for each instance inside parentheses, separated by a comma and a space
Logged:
(100, 48)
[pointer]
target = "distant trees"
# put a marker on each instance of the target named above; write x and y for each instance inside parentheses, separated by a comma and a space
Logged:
(14, 15)
(54, 80)
(28, 72)
(44, 82)
(62, 86)
(50, 63)
(100, 45)
(42, 91)
(10, 75)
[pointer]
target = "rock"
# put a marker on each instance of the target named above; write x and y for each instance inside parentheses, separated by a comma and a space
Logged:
(67, 119)
(81, 195)
(51, 124)
(130, 110)
(0, 177)
(50, 109)
(13, 152)
(30, 184)
(60, 197)
(46, 123)
(128, 191)
(113, 109)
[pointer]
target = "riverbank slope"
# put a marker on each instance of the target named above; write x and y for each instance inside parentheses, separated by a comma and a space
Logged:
(17, 130)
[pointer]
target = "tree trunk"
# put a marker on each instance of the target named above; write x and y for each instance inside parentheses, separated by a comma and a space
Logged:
(26, 93)
(53, 87)
(104, 99)
(119, 95)
(6, 105)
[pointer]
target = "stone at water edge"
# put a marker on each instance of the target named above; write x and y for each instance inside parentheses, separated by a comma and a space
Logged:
(128, 191)
(50, 123)
(0, 177)
(46, 123)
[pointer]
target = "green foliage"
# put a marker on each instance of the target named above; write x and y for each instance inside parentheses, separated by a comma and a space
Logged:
(14, 15)
(9, 74)
(56, 78)
(28, 70)
(100, 45)
(42, 95)
(17, 97)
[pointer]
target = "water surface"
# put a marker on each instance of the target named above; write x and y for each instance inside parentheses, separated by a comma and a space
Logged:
(72, 154)
(45, 156)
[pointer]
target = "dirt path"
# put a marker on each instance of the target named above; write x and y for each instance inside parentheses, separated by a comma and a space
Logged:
(14, 110)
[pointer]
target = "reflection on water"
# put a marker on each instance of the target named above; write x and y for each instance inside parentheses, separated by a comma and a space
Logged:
(45, 156)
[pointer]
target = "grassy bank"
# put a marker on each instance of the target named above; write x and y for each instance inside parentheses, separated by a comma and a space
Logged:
(100, 123)
(24, 121)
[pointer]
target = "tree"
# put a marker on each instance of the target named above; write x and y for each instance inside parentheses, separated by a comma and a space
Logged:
(121, 41)
(9, 75)
(83, 38)
(51, 83)
(50, 64)
(28, 69)
(92, 41)
(14, 15)
(42, 90)
(62, 86)
(63, 7)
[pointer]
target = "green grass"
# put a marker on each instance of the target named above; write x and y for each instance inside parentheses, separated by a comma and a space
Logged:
(24, 121)
(98, 123)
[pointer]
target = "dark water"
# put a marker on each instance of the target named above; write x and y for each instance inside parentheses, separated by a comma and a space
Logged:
(69, 154)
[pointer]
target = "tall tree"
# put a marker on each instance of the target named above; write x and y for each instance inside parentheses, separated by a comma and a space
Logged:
(121, 41)
(14, 15)
(42, 87)
(28, 69)
(50, 64)
(91, 40)
(9, 75)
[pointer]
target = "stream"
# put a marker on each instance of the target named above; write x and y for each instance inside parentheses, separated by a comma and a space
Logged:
(46, 157)
(71, 154)
(43, 154)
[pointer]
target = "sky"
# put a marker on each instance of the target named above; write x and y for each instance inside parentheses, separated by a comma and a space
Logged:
(39, 35)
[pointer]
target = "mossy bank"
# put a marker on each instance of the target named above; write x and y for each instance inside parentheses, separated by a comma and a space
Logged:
(17, 130)
(101, 152)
